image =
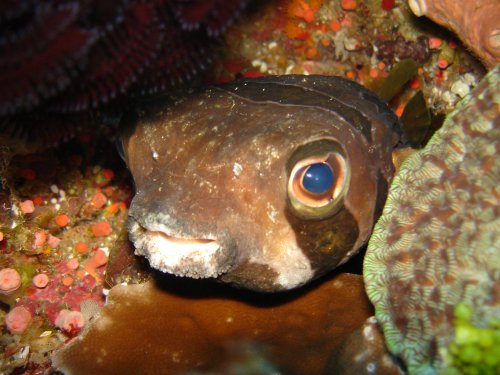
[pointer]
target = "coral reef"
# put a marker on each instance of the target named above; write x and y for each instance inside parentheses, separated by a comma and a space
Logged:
(474, 21)
(62, 212)
(361, 42)
(437, 243)
(68, 181)
(187, 324)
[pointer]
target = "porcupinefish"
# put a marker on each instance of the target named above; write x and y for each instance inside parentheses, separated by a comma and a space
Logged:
(263, 183)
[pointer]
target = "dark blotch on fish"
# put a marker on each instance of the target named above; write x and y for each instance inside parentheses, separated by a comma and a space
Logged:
(219, 171)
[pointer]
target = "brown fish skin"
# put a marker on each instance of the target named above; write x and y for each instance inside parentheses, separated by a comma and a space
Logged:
(212, 168)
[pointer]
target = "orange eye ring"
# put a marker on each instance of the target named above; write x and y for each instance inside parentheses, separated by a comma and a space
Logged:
(318, 205)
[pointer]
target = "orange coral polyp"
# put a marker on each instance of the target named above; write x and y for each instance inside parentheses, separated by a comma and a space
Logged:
(10, 280)
(18, 320)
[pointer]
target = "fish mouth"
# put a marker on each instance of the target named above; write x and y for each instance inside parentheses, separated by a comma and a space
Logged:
(196, 257)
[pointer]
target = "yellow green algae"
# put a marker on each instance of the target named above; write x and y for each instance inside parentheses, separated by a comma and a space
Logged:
(475, 350)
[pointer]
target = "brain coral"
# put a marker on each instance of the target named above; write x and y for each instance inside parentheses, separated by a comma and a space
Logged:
(437, 242)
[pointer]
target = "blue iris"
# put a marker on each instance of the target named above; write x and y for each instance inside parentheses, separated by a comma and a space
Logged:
(318, 178)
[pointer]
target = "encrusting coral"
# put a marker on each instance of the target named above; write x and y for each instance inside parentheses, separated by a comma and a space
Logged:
(190, 325)
(437, 243)
(474, 21)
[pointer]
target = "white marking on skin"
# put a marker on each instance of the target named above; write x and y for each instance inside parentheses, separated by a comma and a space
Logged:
(292, 265)
(295, 271)
(237, 169)
(271, 212)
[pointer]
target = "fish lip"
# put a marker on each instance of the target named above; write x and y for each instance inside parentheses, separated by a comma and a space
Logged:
(171, 251)
(171, 234)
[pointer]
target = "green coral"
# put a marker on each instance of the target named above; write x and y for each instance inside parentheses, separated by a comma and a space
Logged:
(475, 350)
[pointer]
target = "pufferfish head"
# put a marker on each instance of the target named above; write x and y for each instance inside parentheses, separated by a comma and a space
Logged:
(265, 183)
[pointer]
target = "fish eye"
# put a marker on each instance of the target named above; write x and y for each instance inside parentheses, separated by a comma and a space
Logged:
(317, 182)
(317, 178)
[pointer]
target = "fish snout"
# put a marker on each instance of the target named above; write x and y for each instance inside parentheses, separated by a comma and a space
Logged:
(181, 254)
